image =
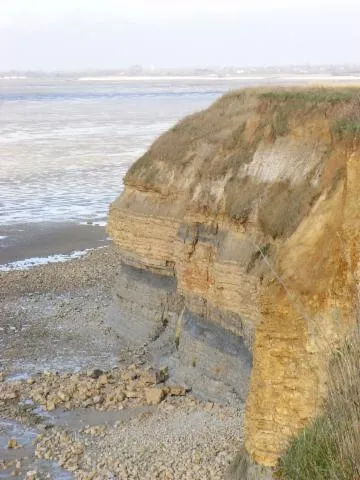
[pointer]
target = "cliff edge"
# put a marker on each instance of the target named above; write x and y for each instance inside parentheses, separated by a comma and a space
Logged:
(244, 219)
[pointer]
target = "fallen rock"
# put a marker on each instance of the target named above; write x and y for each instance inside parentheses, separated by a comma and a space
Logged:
(103, 379)
(8, 391)
(88, 403)
(50, 406)
(63, 396)
(150, 377)
(177, 391)
(31, 475)
(129, 375)
(12, 444)
(154, 395)
(132, 394)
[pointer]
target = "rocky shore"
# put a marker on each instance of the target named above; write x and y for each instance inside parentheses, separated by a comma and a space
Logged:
(78, 401)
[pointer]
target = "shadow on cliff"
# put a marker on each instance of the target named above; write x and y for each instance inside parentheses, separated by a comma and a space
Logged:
(243, 468)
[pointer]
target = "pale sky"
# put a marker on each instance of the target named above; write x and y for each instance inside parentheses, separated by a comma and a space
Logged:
(81, 34)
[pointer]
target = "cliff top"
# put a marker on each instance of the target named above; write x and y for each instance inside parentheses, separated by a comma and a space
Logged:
(270, 150)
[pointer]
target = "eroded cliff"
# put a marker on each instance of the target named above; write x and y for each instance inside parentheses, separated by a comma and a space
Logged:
(247, 215)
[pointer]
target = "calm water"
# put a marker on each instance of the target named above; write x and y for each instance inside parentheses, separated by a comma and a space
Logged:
(65, 146)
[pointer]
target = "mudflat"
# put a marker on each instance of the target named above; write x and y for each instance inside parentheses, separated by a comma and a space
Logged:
(31, 240)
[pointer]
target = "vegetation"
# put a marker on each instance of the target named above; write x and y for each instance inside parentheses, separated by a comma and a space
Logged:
(316, 96)
(280, 124)
(347, 127)
(329, 449)
(286, 103)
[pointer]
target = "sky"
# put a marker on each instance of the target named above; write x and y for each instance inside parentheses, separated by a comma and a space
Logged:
(111, 34)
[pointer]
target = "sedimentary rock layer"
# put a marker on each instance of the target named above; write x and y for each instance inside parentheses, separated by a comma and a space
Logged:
(252, 208)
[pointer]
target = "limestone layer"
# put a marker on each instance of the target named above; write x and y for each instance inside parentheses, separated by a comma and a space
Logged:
(252, 206)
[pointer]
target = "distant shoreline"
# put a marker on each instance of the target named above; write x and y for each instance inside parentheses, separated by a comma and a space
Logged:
(284, 77)
(280, 77)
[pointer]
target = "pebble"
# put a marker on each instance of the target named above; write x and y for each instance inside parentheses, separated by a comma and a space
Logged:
(12, 444)
(112, 390)
(181, 437)
(182, 444)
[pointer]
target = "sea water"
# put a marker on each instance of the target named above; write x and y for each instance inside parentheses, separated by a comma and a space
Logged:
(65, 147)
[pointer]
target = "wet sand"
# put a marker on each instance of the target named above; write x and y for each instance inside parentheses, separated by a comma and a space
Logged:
(24, 241)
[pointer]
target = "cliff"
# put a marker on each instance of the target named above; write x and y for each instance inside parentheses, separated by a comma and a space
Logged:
(243, 220)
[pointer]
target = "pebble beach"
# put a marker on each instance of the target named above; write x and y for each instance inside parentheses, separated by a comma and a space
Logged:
(77, 403)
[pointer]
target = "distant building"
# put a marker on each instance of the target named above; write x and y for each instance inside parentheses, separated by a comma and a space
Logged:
(135, 70)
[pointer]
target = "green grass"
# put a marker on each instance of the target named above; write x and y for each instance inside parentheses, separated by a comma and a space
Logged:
(280, 124)
(312, 95)
(309, 456)
(288, 104)
(329, 448)
(347, 127)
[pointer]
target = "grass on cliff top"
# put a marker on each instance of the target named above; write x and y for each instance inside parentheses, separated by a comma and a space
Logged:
(223, 124)
(340, 103)
(314, 95)
(329, 449)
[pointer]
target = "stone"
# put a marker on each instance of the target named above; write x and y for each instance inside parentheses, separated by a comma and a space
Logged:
(12, 444)
(88, 403)
(103, 379)
(154, 395)
(132, 394)
(50, 405)
(150, 377)
(129, 375)
(63, 396)
(31, 475)
(13, 395)
(177, 391)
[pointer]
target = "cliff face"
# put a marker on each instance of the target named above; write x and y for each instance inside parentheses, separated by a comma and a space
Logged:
(251, 209)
